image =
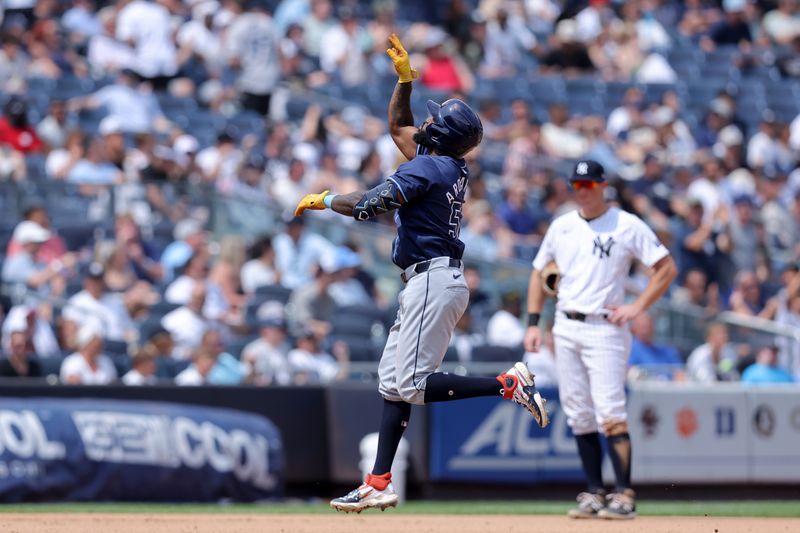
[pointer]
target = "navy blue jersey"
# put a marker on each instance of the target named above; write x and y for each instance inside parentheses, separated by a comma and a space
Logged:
(429, 221)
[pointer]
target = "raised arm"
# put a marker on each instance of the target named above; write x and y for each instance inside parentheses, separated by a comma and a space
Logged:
(401, 119)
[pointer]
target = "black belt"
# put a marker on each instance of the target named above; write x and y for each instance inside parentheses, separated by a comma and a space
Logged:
(581, 317)
(423, 266)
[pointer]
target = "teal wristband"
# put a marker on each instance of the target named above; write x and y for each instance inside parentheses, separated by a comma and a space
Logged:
(328, 200)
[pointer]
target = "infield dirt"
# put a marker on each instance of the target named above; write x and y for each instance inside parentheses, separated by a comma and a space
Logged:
(376, 523)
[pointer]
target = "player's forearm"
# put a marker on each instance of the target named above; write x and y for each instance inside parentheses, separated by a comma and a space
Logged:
(344, 204)
(400, 114)
(665, 272)
(535, 293)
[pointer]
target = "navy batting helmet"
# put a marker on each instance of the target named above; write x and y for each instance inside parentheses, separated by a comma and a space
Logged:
(456, 128)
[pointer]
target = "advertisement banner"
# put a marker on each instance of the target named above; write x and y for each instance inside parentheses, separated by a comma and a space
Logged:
(489, 439)
(727, 432)
(773, 420)
(681, 433)
(115, 450)
(688, 434)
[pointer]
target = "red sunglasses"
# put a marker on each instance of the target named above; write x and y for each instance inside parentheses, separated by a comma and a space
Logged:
(583, 184)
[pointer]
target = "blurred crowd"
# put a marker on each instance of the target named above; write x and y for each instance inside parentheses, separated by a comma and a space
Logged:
(120, 120)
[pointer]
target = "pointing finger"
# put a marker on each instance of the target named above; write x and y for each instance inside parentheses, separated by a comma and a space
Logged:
(395, 40)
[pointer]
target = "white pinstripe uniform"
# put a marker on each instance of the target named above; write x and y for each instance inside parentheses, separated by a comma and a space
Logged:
(594, 258)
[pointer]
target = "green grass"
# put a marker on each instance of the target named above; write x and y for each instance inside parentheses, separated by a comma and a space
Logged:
(651, 508)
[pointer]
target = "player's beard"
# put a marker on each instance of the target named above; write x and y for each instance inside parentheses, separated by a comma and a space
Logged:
(422, 139)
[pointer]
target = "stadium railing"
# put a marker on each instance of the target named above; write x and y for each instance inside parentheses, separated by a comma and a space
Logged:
(679, 325)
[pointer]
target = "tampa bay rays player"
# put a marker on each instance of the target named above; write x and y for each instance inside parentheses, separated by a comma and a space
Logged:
(593, 248)
(427, 194)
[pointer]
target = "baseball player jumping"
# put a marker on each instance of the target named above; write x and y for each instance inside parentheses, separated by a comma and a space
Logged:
(593, 248)
(427, 194)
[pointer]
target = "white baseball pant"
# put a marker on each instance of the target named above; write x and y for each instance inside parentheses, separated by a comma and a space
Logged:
(591, 361)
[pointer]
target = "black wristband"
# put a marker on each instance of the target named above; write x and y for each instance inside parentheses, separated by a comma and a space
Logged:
(533, 319)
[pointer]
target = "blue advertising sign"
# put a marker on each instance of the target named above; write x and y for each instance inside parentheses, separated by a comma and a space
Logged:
(490, 439)
(114, 450)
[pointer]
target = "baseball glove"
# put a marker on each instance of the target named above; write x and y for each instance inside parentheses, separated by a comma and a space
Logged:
(402, 65)
(311, 201)
(551, 277)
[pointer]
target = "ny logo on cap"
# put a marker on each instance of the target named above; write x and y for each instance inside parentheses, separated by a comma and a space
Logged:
(582, 169)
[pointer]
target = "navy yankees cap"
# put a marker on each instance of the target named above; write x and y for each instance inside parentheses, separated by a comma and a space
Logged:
(588, 170)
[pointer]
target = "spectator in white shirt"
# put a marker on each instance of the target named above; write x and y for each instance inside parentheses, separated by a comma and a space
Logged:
(260, 270)
(289, 186)
(106, 55)
(344, 49)
(194, 273)
(266, 356)
(88, 366)
(311, 365)
(198, 37)
(147, 27)
(715, 360)
(131, 103)
(143, 371)
(505, 328)
(52, 129)
(762, 148)
(81, 20)
(23, 268)
(507, 41)
(197, 373)
(94, 304)
(187, 324)
(783, 24)
(220, 163)
(299, 252)
(39, 336)
(252, 49)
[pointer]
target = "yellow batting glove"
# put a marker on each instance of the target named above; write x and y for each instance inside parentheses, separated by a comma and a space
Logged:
(311, 201)
(402, 65)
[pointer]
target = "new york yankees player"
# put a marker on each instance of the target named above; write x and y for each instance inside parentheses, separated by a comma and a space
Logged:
(594, 247)
(427, 193)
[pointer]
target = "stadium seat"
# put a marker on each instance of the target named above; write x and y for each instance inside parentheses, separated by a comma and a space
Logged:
(351, 325)
(71, 87)
(162, 308)
(451, 355)
(361, 349)
(35, 164)
(51, 366)
(122, 363)
(179, 366)
(273, 292)
(76, 237)
(237, 344)
(114, 348)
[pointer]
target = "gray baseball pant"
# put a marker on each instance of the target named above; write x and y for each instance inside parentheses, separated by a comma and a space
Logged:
(430, 306)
